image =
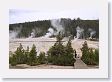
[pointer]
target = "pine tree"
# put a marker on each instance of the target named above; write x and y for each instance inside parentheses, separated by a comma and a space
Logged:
(19, 53)
(42, 58)
(59, 37)
(32, 59)
(69, 53)
(13, 60)
(59, 54)
(96, 52)
(26, 55)
(89, 55)
(69, 48)
(85, 53)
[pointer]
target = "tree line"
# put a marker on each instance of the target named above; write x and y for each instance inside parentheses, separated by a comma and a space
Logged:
(42, 26)
(58, 54)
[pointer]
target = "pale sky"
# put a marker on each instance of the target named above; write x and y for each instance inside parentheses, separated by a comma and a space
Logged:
(19, 16)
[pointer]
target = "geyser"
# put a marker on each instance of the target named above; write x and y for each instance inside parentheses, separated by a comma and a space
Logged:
(92, 33)
(32, 35)
(49, 33)
(80, 33)
(56, 23)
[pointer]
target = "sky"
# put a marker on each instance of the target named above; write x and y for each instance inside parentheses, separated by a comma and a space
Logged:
(20, 15)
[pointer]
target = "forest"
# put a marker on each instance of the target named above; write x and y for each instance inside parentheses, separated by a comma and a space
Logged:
(40, 27)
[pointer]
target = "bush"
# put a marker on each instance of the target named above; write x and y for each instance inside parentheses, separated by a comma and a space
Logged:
(89, 55)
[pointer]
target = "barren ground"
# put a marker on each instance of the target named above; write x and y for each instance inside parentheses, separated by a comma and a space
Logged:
(43, 44)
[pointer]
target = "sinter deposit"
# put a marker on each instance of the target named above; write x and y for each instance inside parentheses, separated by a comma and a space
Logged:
(44, 43)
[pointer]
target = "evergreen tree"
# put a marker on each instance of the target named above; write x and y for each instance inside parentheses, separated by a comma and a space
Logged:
(89, 55)
(42, 58)
(32, 59)
(69, 48)
(96, 53)
(69, 53)
(19, 53)
(13, 60)
(61, 55)
(26, 55)
(59, 37)
(17, 57)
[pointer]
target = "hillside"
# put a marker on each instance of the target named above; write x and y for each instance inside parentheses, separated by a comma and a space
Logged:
(50, 28)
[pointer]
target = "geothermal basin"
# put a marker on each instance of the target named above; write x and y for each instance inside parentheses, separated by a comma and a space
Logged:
(43, 44)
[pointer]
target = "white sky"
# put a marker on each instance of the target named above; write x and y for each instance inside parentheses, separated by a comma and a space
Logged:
(19, 16)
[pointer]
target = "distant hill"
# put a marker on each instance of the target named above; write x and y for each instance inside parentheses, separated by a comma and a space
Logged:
(66, 25)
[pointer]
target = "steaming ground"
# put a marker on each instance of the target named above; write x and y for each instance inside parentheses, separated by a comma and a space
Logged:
(44, 43)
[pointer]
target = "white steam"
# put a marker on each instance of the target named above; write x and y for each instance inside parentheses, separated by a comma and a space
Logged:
(32, 35)
(56, 23)
(92, 32)
(49, 33)
(80, 33)
(14, 33)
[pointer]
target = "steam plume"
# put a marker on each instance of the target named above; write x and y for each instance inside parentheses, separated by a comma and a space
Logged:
(92, 32)
(32, 35)
(56, 23)
(49, 33)
(80, 33)
(14, 33)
